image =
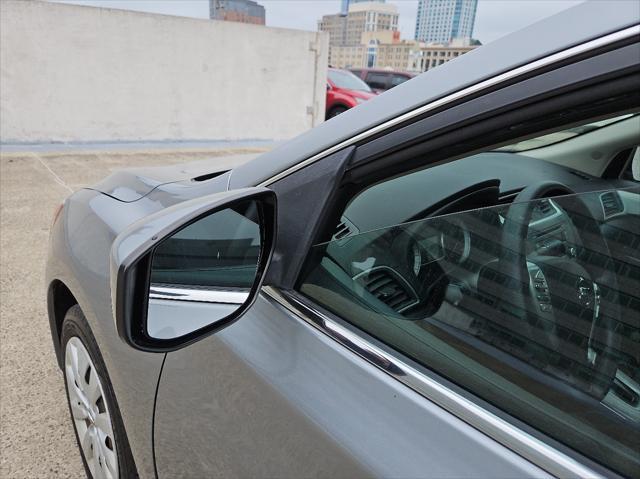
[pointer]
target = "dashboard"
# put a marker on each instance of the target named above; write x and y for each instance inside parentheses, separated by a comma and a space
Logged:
(425, 253)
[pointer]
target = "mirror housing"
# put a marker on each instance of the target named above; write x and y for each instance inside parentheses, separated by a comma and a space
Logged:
(131, 259)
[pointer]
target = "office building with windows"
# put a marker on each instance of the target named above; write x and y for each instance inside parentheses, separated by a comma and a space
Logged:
(361, 17)
(442, 21)
(385, 49)
(344, 5)
(244, 11)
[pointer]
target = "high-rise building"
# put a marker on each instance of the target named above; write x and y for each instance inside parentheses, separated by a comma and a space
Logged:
(244, 11)
(442, 21)
(344, 5)
(361, 17)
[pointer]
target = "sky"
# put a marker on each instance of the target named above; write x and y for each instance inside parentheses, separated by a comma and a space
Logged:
(494, 18)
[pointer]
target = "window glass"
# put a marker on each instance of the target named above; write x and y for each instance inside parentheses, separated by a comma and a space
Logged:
(219, 250)
(347, 80)
(377, 80)
(528, 301)
(397, 79)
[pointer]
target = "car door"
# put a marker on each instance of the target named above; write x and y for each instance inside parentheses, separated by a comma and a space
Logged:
(305, 384)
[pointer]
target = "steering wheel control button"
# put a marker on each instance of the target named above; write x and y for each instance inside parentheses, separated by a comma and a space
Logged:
(539, 288)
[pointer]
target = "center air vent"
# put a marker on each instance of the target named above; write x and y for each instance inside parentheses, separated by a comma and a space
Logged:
(389, 287)
(611, 204)
(344, 229)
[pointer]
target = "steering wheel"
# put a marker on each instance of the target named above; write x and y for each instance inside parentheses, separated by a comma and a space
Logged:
(541, 290)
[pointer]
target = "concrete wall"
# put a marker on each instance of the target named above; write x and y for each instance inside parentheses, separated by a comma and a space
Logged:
(73, 73)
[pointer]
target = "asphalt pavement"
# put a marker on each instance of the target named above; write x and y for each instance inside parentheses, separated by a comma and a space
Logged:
(36, 435)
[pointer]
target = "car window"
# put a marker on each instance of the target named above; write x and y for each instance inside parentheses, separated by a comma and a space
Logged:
(397, 79)
(377, 80)
(347, 80)
(532, 305)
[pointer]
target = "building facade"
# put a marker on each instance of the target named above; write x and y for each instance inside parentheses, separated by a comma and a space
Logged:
(442, 21)
(433, 55)
(336, 27)
(243, 11)
(361, 17)
(384, 49)
(344, 4)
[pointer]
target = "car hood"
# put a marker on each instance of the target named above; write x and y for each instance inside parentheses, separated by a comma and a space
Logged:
(133, 184)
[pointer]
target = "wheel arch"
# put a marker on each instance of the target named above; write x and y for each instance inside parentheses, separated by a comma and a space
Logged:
(337, 105)
(59, 300)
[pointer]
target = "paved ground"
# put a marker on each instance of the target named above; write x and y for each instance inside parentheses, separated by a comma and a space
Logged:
(36, 436)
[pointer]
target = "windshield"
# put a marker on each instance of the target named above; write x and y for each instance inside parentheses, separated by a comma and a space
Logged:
(347, 80)
(559, 136)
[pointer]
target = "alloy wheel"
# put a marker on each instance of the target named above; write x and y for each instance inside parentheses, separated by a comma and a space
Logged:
(90, 413)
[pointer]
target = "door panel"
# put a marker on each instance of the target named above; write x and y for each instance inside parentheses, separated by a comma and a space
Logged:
(272, 396)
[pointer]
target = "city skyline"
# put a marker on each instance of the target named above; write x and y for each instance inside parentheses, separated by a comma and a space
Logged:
(494, 18)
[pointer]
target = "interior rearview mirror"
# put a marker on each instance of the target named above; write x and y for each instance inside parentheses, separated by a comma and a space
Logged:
(187, 271)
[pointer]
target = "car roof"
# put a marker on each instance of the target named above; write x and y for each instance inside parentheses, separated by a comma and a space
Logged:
(584, 22)
(383, 70)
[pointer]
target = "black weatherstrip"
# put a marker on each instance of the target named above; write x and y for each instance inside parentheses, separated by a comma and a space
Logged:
(153, 419)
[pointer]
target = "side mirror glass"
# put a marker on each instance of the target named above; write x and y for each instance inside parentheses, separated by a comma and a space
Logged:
(199, 273)
(204, 272)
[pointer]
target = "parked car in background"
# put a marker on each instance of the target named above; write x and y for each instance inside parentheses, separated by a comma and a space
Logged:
(444, 282)
(380, 80)
(344, 91)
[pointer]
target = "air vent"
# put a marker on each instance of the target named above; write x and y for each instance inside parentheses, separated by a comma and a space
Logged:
(344, 229)
(389, 288)
(611, 204)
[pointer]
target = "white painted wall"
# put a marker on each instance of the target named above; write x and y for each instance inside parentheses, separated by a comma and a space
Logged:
(73, 73)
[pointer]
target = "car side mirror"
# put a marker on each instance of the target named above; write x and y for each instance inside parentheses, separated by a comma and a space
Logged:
(189, 270)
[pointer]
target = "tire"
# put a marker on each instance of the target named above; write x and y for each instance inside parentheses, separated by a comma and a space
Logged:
(335, 111)
(93, 402)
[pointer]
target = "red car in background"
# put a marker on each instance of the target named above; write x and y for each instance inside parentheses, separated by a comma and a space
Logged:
(344, 91)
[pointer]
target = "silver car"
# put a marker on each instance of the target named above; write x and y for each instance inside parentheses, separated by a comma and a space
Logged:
(441, 282)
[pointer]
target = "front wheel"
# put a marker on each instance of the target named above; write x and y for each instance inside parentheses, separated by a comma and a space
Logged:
(335, 111)
(97, 423)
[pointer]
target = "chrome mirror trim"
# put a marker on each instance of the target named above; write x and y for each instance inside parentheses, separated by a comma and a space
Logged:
(201, 295)
(534, 450)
